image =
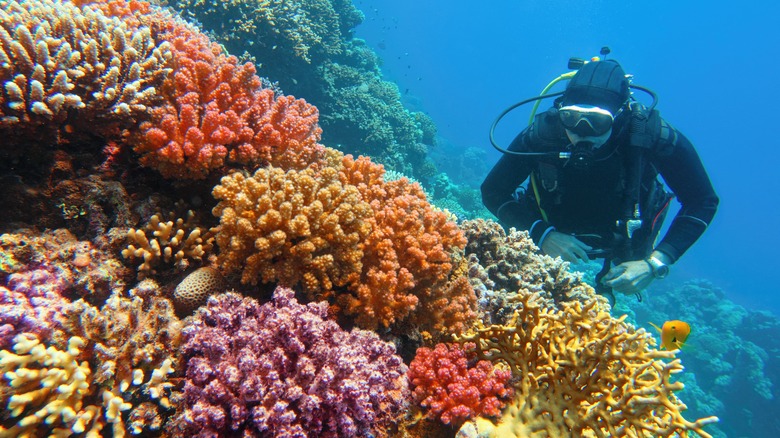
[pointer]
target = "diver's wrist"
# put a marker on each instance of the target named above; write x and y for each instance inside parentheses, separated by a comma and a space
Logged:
(662, 257)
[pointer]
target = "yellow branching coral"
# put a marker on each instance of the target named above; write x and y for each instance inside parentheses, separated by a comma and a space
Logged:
(176, 241)
(48, 387)
(56, 57)
(582, 372)
(132, 344)
(52, 392)
(291, 227)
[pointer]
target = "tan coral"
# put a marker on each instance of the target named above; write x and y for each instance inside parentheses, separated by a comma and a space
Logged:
(48, 386)
(173, 242)
(292, 227)
(582, 372)
(132, 344)
(126, 333)
(506, 266)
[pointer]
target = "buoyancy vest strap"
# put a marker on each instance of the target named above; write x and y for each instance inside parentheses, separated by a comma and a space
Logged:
(534, 187)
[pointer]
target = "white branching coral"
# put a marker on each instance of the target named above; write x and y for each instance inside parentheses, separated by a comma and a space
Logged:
(56, 58)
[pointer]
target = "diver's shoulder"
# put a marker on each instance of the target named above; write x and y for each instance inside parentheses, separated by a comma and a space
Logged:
(669, 138)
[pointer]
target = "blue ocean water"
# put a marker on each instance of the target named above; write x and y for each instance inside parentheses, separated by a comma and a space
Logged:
(713, 65)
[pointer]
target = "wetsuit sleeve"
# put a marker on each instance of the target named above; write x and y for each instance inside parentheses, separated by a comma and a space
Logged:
(499, 187)
(682, 170)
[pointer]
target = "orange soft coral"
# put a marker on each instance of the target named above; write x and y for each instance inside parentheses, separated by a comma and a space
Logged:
(216, 110)
(291, 227)
(407, 253)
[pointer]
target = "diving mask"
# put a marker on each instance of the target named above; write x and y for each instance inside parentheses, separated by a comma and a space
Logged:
(586, 120)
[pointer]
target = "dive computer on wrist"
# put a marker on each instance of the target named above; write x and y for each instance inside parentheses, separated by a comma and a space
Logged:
(659, 268)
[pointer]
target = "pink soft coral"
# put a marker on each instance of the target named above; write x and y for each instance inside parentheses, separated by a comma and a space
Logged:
(285, 369)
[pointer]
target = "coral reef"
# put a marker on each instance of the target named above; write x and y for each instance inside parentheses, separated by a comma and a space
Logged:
(583, 372)
(731, 356)
(87, 347)
(456, 389)
(505, 266)
(307, 47)
(58, 61)
(283, 369)
(304, 30)
(291, 227)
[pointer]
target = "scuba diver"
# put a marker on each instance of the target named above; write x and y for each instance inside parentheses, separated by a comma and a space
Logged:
(582, 178)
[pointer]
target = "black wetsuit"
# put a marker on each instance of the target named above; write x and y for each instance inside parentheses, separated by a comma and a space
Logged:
(589, 201)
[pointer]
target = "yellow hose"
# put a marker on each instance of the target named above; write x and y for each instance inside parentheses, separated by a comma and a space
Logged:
(566, 75)
(534, 187)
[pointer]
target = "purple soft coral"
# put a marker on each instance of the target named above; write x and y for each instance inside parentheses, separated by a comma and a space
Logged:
(30, 304)
(283, 369)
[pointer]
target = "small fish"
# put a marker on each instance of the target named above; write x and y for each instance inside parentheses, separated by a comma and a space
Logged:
(673, 334)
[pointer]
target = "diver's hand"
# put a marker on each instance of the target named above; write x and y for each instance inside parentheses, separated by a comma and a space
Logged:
(565, 246)
(629, 277)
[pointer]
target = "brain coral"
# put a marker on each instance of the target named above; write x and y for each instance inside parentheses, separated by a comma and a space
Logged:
(283, 369)
(291, 227)
(197, 287)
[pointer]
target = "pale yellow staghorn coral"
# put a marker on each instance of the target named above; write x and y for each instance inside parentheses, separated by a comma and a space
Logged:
(582, 372)
(174, 242)
(52, 392)
(48, 388)
(56, 57)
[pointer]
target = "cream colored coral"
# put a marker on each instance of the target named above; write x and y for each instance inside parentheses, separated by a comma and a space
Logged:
(292, 227)
(167, 242)
(582, 372)
(126, 334)
(55, 56)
